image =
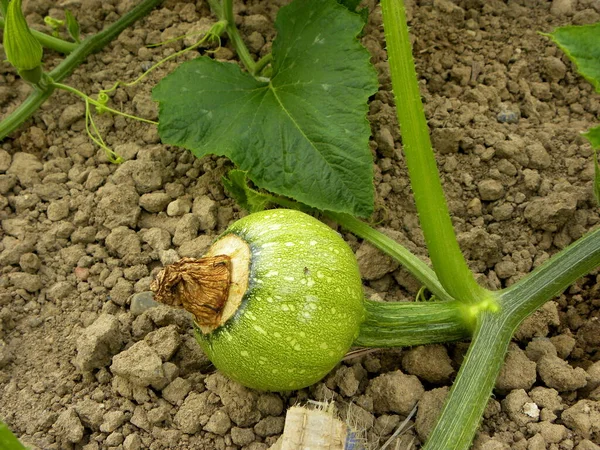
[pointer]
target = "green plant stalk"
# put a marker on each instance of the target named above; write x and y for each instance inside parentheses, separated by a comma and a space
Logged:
(236, 38)
(471, 390)
(446, 257)
(553, 277)
(96, 103)
(418, 268)
(88, 46)
(105, 92)
(262, 63)
(50, 42)
(401, 324)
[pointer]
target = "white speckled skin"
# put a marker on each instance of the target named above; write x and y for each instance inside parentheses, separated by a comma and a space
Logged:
(302, 309)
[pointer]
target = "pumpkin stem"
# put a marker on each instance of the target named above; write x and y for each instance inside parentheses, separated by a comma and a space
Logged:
(200, 286)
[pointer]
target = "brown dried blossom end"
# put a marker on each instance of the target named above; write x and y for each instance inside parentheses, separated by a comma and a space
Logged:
(200, 286)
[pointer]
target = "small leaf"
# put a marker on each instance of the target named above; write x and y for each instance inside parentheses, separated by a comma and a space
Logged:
(582, 45)
(303, 133)
(236, 184)
(72, 26)
(593, 135)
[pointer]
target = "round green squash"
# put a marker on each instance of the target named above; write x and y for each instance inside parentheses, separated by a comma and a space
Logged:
(295, 302)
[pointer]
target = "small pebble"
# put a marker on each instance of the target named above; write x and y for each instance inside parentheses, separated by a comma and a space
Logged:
(561, 8)
(112, 421)
(5, 355)
(69, 427)
(30, 262)
(490, 190)
(141, 302)
(518, 406)
(154, 202)
(219, 423)
(132, 442)
(558, 374)
(179, 207)
(58, 210)
(176, 391)
(518, 372)
(242, 436)
(506, 116)
(5, 160)
(140, 365)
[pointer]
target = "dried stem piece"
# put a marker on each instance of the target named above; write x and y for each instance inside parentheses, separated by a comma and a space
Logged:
(200, 286)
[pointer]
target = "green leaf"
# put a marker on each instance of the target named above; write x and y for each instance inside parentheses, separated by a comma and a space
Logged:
(593, 135)
(236, 184)
(72, 26)
(303, 133)
(8, 441)
(352, 5)
(582, 45)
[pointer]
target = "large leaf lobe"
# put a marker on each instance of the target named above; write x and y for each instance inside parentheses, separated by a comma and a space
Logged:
(304, 132)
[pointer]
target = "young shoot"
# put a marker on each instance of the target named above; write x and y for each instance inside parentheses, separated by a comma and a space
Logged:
(90, 126)
(212, 35)
(69, 23)
(55, 24)
(100, 103)
(45, 83)
(72, 26)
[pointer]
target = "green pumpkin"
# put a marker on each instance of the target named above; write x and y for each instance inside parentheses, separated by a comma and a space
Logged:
(302, 306)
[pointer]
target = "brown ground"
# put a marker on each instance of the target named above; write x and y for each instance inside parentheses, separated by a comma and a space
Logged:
(85, 364)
